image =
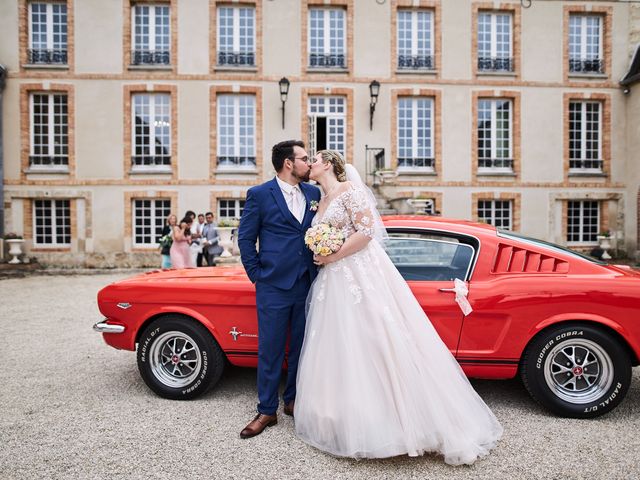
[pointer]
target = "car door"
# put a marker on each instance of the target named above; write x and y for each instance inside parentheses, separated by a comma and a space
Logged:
(430, 265)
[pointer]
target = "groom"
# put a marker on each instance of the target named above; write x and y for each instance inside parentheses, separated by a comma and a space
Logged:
(277, 214)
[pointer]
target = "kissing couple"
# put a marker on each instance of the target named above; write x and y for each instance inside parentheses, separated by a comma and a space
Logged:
(368, 376)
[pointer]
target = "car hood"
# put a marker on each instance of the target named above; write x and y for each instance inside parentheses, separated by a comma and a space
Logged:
(225, 273)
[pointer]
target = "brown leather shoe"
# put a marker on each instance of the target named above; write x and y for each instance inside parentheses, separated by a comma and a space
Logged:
(288, 408)
(258, 424)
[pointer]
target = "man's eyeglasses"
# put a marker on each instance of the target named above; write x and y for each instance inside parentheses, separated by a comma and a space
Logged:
(305, 159)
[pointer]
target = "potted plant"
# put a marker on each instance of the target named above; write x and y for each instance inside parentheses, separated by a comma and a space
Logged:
(604, 240)
(15, 242)
(225, 227)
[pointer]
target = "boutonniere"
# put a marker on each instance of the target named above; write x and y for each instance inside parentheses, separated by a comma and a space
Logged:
(314, 205)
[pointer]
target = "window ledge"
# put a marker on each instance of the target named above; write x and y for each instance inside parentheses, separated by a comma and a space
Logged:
(491, 73)
(46, 66)
(226, 68)
(47, 171)
(417, 71)
(150, 171)
(235, 171)
(588, 76)
(485, 173)
(161, 68)
(327, 70)
(415, 172)
(587, 174)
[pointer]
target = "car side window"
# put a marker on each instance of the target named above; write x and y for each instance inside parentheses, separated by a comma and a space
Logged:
(427, 259)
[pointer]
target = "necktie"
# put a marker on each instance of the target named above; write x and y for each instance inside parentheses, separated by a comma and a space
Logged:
(296, 204)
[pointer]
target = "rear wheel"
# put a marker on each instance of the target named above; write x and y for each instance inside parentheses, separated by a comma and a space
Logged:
(576, 371)
(178, 358)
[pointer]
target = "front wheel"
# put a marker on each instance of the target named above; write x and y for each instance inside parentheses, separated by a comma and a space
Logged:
(576, 371)
(178, 358)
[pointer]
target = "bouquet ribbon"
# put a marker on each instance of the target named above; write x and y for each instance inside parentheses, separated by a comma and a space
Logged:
(461, 290)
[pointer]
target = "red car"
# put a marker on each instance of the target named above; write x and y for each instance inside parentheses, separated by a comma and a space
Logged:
(569, 325)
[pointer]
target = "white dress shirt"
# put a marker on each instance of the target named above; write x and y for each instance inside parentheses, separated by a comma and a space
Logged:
(294, 197)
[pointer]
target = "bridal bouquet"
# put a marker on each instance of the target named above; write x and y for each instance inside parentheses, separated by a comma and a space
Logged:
(323, 239)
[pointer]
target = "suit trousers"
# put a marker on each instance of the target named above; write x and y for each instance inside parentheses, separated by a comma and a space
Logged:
(281, 316)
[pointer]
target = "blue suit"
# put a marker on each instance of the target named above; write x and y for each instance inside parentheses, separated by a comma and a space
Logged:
(282, 271)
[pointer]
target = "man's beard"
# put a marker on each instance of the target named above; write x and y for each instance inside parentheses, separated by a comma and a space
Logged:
(302, 178)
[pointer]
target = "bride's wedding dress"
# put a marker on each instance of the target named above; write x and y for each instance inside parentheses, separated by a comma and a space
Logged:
(374, 378)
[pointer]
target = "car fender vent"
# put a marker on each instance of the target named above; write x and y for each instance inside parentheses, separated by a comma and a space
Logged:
(510, 259)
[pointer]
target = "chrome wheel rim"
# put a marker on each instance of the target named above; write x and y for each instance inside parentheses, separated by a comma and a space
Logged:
(175, 359)
(578, 371)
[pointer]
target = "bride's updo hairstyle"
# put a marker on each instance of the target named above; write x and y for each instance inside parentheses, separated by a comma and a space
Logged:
(335, 159)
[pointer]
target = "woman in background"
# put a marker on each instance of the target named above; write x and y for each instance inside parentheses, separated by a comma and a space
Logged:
(180, 253)
(166, 240)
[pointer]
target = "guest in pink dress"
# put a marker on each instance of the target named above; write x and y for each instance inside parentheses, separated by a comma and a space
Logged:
(180, 253)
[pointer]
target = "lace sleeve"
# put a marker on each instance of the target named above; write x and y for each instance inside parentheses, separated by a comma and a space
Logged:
(358, 208)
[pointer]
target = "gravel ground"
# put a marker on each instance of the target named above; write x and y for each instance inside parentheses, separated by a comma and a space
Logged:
(72, 407)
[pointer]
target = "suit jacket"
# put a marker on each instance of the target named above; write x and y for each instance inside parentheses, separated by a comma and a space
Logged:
(283, 256)
(210, 233)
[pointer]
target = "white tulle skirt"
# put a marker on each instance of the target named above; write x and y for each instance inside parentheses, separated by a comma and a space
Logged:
(374, 378)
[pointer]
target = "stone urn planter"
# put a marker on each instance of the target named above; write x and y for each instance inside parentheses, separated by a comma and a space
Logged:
(226, 242)
(15, 249)
(381, 177)
(604, 241)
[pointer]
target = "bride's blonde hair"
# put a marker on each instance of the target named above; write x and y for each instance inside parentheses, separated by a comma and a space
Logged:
(336, 159)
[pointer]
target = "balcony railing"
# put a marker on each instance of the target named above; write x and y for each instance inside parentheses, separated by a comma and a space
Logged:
(47, 57)
(150, 160)
(491, 163)
(232, 59)
(588, 164)
(489, 64)
(415, 62)
(334, 60)
(150, 57)
(236, 161)
(413, 162)
(48, 160)
(577, 65)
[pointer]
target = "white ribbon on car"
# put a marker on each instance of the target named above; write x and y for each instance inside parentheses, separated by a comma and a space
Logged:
(461, 290)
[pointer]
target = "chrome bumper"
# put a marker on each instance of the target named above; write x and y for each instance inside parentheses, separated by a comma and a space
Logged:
(104, 327)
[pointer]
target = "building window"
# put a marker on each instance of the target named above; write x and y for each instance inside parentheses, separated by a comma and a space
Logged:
(48, 33)
(585, 44)
(229, 209)
(151, 35)
(498, 213)
(327, 119)
(585, 144)
(151, 131)
(149, 217)
(583, 220)
(237, 132)
(495, 45)
(52, 223)
(327, 38)
(236, 36)
(49, 147)
(415, 40)
(415, 133)
(495, 136)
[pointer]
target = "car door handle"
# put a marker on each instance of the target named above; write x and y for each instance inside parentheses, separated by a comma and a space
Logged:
(447, 289)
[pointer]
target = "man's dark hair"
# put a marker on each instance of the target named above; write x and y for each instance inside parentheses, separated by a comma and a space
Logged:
(283, 150)
(208, 213)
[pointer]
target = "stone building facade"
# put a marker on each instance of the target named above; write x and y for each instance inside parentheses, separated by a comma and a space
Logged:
(119, 112)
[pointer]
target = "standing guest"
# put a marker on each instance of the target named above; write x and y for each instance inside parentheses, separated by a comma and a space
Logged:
(211, 241)
(197, 240)
(166, 240)
(180, 254)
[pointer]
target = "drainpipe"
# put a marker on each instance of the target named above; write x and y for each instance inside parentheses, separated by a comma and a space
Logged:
(3, 76)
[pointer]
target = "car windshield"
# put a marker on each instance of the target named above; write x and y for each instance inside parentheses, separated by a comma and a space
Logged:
(553, 246)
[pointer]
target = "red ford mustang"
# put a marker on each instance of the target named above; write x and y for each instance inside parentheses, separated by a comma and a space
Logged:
(567, 324)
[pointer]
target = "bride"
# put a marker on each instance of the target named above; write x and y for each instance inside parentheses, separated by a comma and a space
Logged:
(374, 378)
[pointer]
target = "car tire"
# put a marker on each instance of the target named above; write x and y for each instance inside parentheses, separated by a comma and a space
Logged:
(178, 358)
(576, 370)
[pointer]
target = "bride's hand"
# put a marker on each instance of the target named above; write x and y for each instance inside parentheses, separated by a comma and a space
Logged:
(320, 260)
